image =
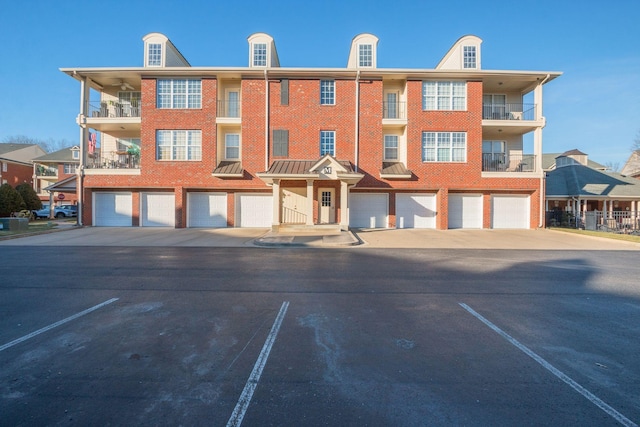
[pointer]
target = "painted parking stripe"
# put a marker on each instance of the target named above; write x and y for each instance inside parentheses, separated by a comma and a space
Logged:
(577, 387)
(55, 325)
(245, 398)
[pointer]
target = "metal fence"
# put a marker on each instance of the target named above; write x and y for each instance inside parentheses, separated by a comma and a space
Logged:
(624, 222)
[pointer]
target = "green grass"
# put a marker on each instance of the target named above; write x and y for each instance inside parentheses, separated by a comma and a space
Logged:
(34, 227)
(614, 236)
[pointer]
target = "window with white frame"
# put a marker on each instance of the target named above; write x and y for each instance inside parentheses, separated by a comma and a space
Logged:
(327, 92)
(444, 146)
(469, 57)
(391, 147)
(327, 142)
(70, 168)
(232, 146)
(365, 55)
(259, 54)
(154, 55)
(4, 166)
(444, 95)
(179, 93)
(179, 145)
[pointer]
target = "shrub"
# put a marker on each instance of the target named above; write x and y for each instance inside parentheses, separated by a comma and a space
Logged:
(10, 200)
(31, 200)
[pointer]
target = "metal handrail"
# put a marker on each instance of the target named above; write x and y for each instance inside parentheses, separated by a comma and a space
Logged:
(394, 110)
(229, 108)
(509, 111)
(501, 162)
(114, 109)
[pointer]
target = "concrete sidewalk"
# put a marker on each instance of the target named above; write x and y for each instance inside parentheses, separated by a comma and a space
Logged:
(360, 238)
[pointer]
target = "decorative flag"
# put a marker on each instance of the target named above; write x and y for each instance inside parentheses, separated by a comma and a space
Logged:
(92, 143)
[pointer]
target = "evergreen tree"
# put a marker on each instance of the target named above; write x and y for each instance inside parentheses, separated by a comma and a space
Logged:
(30, 197)
(10, 200)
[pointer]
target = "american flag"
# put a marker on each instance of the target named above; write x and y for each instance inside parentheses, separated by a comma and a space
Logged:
(92, 143)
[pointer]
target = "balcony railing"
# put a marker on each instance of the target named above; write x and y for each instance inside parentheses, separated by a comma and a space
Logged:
(229, 108)
(394, 110)
(113, 160)
(509, 111)
(114, 109)
(500, 162)
(45, 171)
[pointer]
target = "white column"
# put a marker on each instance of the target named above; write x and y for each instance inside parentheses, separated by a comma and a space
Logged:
(344, 206)
(309, 202)
(275, 187)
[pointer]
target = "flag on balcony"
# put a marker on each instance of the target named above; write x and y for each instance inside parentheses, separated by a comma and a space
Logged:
(92, 142)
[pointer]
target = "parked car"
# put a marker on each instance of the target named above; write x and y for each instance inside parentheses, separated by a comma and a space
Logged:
(66, 211)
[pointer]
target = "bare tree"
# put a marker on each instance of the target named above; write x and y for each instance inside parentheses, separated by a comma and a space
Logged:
(49, 145)
(636, 142)
(612, 166)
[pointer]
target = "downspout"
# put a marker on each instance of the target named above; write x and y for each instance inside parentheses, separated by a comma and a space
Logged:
(357, 133)
(84, 90)
(542, 177)
(266, 121)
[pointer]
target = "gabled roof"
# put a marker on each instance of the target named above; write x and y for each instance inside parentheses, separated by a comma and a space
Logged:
(632, 167)
(61, 156)
(586, 182)
(20, 153)
(67, 185)
(10, 146)
(327, 167)
(549, 160)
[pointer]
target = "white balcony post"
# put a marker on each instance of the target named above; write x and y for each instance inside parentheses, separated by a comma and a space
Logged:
(276, 203)
(309, 207)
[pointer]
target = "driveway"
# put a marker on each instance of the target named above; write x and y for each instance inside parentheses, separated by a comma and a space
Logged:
(541, 239)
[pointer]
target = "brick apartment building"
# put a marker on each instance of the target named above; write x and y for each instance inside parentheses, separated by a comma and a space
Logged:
(168, 144)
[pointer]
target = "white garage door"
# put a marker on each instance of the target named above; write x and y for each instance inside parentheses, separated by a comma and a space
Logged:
(368, 210)
(254, 210)
(158, 209)
(207, 210)
(112, 209)
(416, 211)
(465, 211)
(510, 211)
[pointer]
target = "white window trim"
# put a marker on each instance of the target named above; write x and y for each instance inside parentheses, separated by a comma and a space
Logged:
(159, 55)
(254, 59)
(371, 57)
(397, 148)
(475, 57)
(436, 148)
(437, 96)
(226, 157)
(188, 94)
(195, 149)
(333, 92)
(333, 132)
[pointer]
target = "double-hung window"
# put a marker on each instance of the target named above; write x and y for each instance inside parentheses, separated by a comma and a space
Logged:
(444, 95)
(179, 93)
(70, 168)
(259, 54)
(179, 145)
(327, 92)
(469, 57)
(365, 55)
(444, 146)
(327, 142)
(391, 147)
(154, 55)
(232, 146)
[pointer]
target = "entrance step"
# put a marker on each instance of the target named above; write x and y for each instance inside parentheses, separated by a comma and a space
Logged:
(303, 228)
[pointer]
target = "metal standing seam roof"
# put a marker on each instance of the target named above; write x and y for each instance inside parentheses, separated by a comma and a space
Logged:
(300, 167)
(394, 168)
(228, 168)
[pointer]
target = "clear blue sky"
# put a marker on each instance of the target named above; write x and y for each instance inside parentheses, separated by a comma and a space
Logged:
(594, 106)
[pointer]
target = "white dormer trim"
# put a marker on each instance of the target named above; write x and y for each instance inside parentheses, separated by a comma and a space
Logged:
(170, 56)
(363, 40)
(454, 59)
(257, 40)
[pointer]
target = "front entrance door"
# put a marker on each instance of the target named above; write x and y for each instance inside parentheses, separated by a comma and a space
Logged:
(326, 200)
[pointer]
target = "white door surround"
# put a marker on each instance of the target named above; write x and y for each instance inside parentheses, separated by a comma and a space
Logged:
(326, 205)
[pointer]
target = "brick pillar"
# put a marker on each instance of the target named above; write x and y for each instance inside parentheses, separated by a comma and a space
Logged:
(442, 206)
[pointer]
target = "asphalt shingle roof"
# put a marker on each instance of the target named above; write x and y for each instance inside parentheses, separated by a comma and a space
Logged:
(583, 181)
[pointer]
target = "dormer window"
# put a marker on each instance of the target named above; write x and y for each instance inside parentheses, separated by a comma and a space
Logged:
(469, 57)
(365, 55)
(259, 54)
(154, 55)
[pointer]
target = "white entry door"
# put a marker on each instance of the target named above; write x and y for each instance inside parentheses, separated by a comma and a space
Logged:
(327, 204)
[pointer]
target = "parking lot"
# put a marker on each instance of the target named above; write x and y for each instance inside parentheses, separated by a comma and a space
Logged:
(244, 335)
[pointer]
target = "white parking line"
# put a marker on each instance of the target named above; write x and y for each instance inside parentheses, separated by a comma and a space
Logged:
(577, 387)
(54, 325)
(252, 382)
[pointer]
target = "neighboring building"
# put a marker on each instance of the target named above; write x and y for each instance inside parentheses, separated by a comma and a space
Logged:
(15, 163)
(270, 146)
(632, 167)
(576, 189)
(549, 160)
(55, 176)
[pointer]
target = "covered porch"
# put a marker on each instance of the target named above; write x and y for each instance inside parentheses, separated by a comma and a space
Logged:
(310, 194)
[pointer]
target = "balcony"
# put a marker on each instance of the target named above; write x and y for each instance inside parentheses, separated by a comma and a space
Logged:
(125, 155)
(394, 113)
(515, 163)
(229, 111)
(114, 109)
(43, 171)
(511, 111)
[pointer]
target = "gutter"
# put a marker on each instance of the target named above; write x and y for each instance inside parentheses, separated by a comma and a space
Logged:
(357, 133)
(544, 174)
(266, 120)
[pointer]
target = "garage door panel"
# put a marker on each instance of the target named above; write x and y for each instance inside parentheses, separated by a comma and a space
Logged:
(368, 210)
(510, 211)
(254, 210)
(465, 211)
(207, 210)
(416, 211)
(158, 209)
(112, 209)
